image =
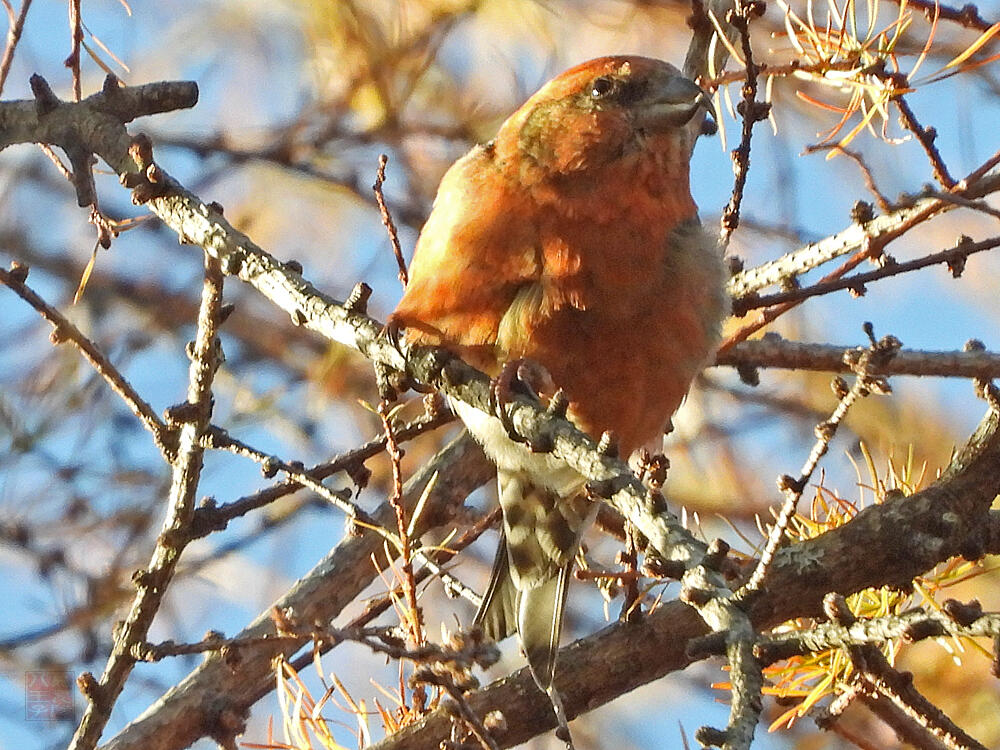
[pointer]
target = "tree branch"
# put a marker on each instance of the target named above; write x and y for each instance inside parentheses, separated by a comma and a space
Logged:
(215, 696)
(193, 418)
(773, 351)
(884, 545)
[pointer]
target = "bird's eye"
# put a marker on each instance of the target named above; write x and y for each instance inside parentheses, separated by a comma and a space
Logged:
(601, 87)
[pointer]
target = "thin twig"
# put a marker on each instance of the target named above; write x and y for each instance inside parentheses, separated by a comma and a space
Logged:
(861, 234)
(973, 205)
(270, 464)
(376, 607)
(13, 37)
(76, 36)
(967, 16)
(412, 612)
(769, 315)
(472, 721)
(379, 640)
(773, 351)
(926, 137)
(54, 158)
(978, 173)
(795, 67)
(152, 582)
(751, 111)
(411, 213)
(63, 330)
(390, 225)
(866, 365)
(954, 256)
(883, 202)
(208, 519)
(299, 477)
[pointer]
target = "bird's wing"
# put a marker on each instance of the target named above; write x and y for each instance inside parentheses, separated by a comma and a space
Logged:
(477, 253)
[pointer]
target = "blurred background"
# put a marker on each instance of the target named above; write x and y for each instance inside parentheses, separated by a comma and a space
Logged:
(297, 101)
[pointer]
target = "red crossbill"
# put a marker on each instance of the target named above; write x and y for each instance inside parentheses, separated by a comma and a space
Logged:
(571, 240)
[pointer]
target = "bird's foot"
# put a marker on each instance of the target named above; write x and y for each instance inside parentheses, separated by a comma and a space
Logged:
(402, 380)
(392, 330)
(523, 377)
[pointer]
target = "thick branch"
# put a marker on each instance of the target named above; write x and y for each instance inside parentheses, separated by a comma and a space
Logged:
(885, 545)
(93, 121)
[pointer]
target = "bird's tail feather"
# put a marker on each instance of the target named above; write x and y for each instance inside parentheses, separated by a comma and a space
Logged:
(539, 619)
(535, 614)
(527, 592)
(497, 614)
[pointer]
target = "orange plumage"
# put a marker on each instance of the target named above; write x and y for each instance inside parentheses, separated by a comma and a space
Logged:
(571, 240)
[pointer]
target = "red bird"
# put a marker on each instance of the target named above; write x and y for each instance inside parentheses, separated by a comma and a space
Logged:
(571, 240)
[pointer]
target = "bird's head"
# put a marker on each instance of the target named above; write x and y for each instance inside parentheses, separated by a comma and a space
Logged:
(603, 111)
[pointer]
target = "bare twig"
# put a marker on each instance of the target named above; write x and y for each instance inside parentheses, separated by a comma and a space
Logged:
(967, 16)
(16, 26)
(696, 62)
(911, 626)
(472, 721)
(750, 110)
(412, 612)
(212, 518)
(954, 257)
(296, 473)
(76, 38)
(867, 366)
(978, 173)
(379, 640)
(765, 317)
(880, 680)
(64, 330)
(926, 137)
(773, 351)
(703, 588)
(193, 417)
(56, 161)
(390, 225)
(879, 230)
(883, 202)
(439, 556)
(974, 205)
(411, 213)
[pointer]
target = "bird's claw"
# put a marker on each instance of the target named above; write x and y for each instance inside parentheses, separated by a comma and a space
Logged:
(401, 379)
(392, 331)
(502, 390)
(519, 377)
